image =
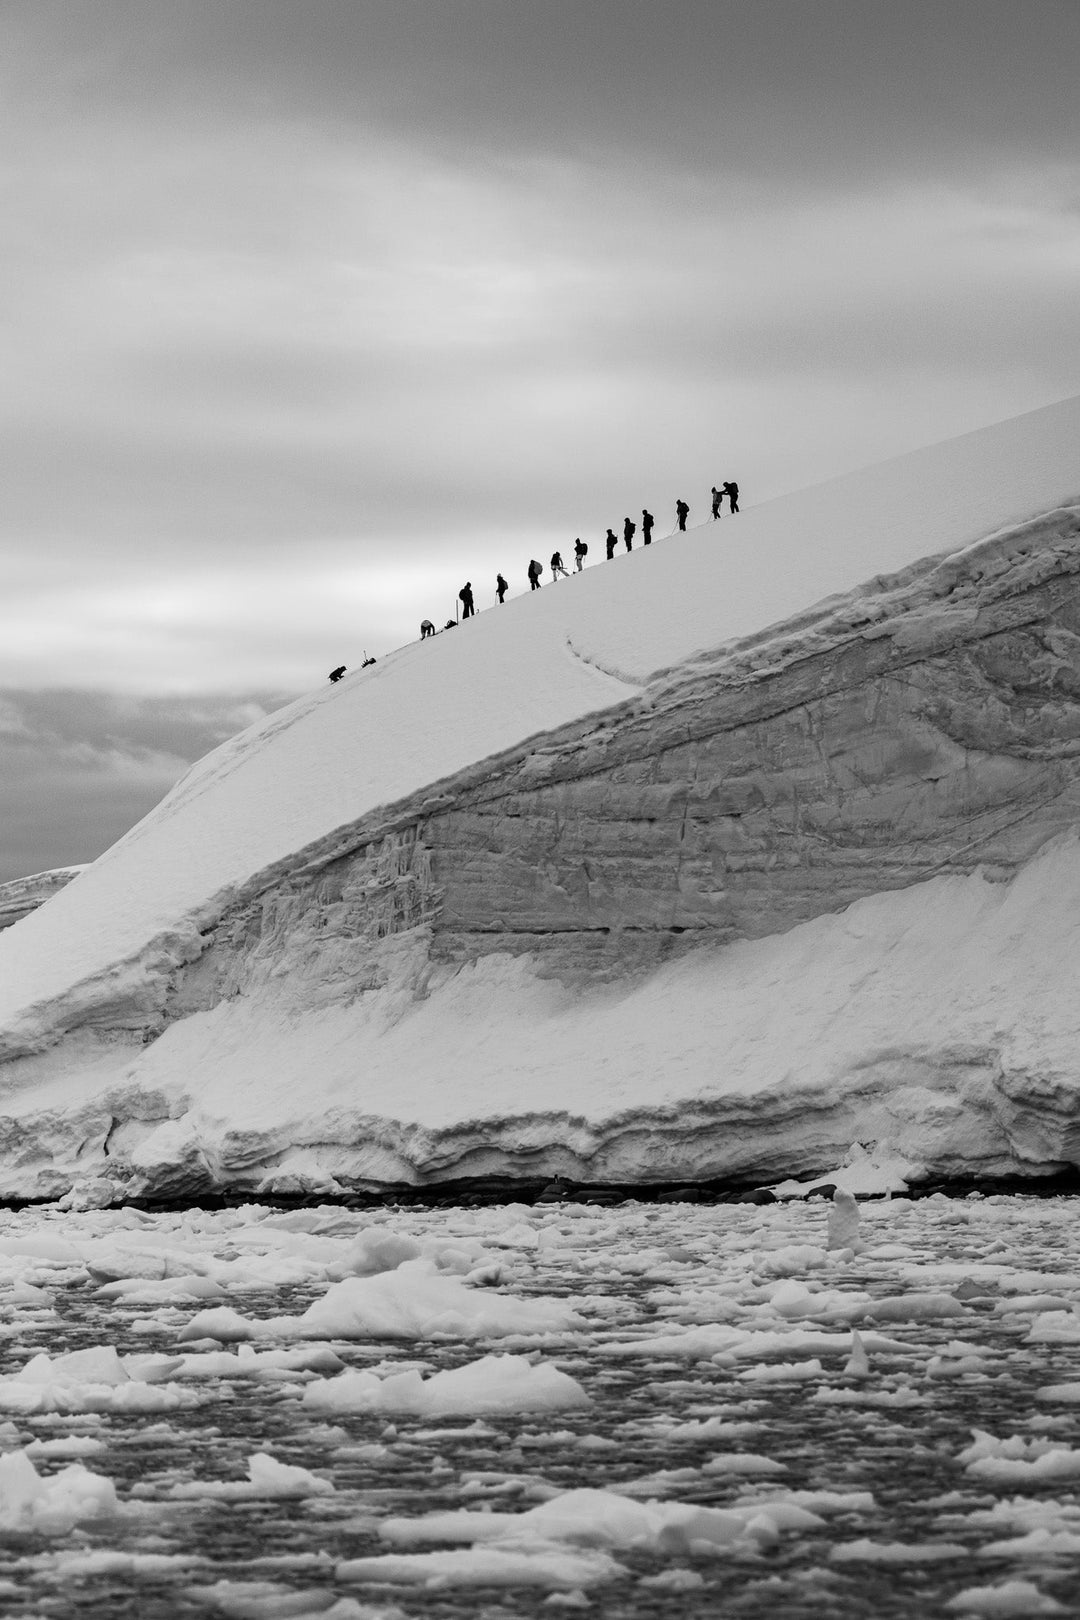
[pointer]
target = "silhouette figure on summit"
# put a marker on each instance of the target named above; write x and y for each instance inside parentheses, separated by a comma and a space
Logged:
(647, 521)
(465, 597)
(535, 570)
(732, 493)
(611, 542)
(629, 528)
(581, 551)
(682, 512)
(501, 588)
(557, 566)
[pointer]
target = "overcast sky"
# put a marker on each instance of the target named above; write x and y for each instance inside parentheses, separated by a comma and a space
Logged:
(312, 309)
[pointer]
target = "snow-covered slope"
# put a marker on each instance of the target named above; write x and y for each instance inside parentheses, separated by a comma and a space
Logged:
(449, 775)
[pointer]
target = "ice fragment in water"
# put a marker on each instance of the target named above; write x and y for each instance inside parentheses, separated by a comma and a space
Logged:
(843, 1221)
(858, 1365)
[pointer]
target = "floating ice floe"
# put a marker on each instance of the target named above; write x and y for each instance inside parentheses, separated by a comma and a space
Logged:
(1016, 1459)
(415, 1301)
(607, 1519)
(554, 1568)
(266, 1478)
(90, 1380)
(52, 1505)
(1011, 1598)
(492, 1384)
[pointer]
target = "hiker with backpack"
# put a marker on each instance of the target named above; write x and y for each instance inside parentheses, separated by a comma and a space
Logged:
(732, 493)
(581, 551)
(647, 521)
(557, 566)
(682, 512)
(611, 542)
(535, 570)
(717, 497)
(426, 629)
(501, 588)
(465, 597)
(629, 529)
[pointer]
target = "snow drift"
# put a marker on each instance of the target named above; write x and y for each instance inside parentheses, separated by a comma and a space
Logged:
(711, 861)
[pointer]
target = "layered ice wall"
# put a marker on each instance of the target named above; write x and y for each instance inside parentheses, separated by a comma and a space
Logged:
(20, 896)
(549, 892)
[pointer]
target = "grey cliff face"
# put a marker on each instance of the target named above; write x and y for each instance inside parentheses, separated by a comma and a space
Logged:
(930, 724)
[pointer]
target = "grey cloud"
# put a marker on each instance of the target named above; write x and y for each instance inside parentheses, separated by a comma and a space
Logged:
(803, 85)
(78, 768)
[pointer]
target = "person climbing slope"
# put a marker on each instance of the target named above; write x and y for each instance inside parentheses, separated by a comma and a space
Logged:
(535, 570)
(732, 492)
(426, 629)
(557, 566)
(611, 542)
(501, 588)
(682, 512)
(629, 529)
(717, 497)
(647, 521)
(465, 597)
(581, 551)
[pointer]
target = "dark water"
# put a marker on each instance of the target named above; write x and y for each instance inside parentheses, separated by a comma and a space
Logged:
(905, 1455)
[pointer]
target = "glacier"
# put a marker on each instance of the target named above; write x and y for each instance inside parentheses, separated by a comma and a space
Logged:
(708, 863)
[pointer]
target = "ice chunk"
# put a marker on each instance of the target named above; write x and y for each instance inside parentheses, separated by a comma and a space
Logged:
(843, 1221)
(51, 1506)
(492, 1384)
(553, 1568)
(1019, 1598)
(267, 1478)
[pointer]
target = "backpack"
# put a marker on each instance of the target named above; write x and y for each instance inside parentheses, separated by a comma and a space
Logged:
(584, 549)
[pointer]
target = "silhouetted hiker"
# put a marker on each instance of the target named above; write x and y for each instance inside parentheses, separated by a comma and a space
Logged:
(336, 674)
(581, 551)
(557, 566)
(367, 663)
(732, 493)
(717, 497)
(501, 587)
(426, 629)
(647, 521)
(629, 529)
(451, 624)
(611, 542)
(535, 570)
(465, 598)
(682, 512)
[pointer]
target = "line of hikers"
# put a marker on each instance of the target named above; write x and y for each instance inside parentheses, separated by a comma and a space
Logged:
(581, 551)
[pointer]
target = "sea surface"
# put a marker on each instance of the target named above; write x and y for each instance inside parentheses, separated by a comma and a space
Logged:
(915, 1392)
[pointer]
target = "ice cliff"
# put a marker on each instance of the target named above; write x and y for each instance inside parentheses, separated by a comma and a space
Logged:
(20, 896)
(708, 862)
